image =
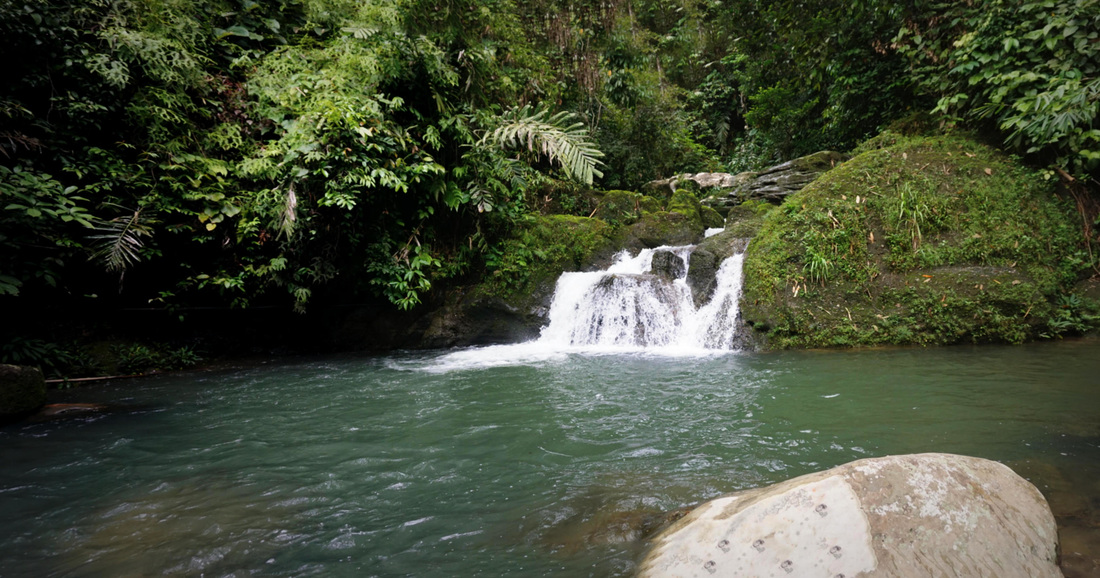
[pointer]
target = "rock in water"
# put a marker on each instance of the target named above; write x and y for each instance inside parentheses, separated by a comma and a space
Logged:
(22, 390)
(668, 265)
(898, 516)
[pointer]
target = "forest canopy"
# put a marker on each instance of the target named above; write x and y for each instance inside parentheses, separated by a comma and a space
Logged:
(176, 153)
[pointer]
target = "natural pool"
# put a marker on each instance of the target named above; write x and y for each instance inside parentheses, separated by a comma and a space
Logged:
(479, 464)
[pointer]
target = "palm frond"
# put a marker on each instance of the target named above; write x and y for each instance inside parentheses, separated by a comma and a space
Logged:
(554, 136)
(117, 243)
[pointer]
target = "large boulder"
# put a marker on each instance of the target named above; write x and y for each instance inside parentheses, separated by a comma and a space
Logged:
(923, 240)
(22, 391)
(897, 517)
(682, 222)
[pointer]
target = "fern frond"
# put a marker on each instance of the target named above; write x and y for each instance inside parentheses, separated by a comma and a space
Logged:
(117, 243)
(549, 135)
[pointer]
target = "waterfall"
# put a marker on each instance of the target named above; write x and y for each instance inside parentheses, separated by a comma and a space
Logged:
(627, 306)
(624, 308)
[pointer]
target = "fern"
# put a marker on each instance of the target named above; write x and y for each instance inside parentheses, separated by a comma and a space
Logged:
(118, 242)
(551, 135)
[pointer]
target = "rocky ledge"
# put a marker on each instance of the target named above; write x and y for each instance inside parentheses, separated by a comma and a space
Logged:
(723, 190)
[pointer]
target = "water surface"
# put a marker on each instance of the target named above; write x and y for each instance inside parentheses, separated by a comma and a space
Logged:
(491, 463)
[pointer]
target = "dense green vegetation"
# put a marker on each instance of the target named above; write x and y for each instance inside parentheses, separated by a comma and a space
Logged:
(177, 154)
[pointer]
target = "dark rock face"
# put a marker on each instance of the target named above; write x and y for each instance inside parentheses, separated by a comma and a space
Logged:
(784, 179)
(704, 265)
(668, 265)
(705, 260)
(22, 391)
(460, 319)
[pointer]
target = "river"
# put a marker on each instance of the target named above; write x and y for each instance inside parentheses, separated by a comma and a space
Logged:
(499, 462)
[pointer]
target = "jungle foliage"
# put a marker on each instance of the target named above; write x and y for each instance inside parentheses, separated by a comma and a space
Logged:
(185, 153)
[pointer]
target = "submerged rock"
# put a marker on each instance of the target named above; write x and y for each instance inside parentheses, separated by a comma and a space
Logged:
(897, 516)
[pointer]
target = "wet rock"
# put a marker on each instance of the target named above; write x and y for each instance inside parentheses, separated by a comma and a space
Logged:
(897, 516)
(668, 265)
(22, 391)
(1065, 497)
(705, 260)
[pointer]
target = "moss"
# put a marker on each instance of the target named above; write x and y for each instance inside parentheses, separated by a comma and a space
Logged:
(745, 220)
(525, 268)
(661, 228)
(685, 203)
(711, 219)
(649, 204)
(618, 207)
(926, 240)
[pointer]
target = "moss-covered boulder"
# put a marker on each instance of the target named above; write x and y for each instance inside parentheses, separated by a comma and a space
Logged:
(680, 223)
(746, 219)
(929, 240)
(22, 391)
(618, 207)
(711, 219)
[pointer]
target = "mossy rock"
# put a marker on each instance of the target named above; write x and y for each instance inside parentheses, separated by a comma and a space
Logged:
(618, 207)
(927, 240)
(687, 204)
(711, 219)
(746, 219)
(524, 274)
(22, 391)
(661, 228)
(649, 204)
(681, 224)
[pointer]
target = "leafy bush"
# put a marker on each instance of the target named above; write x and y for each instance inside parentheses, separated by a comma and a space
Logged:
(136, 358)
(1031, 67)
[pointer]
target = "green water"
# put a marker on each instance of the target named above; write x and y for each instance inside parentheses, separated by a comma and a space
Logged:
(399, 466)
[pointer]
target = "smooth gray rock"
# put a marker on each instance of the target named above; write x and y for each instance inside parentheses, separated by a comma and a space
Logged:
(898, 516)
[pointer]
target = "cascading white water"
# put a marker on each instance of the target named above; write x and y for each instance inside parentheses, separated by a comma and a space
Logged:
(628, 307)
(625, 308)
